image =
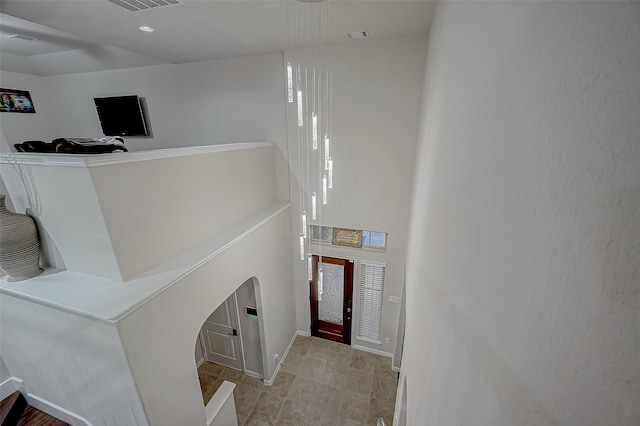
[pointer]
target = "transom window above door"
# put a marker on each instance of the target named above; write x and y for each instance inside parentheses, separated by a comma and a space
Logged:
(370, 239)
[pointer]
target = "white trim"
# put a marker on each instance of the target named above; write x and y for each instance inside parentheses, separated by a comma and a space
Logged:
(270, 381)
(395, 369)
(94, 160)
(254, 374)
(9, 386)
(373, 351)
(277, 207)
(370, 262)
(13, 384)
(235, 304)
(303, 333)
(222, 397)
(56, 411)
(203, 353)
(366, 339)
(171, 272)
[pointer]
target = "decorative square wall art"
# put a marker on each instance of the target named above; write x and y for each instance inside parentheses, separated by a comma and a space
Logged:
(16, 101)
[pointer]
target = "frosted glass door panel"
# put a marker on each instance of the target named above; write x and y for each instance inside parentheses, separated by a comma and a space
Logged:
(332, 302)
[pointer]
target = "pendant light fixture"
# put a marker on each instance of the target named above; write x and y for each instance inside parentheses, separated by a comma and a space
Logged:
(309, 87)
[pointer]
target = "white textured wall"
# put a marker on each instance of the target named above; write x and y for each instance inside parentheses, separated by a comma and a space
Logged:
(523, 285)
(137, 215)
(54, 196)
(377, 87)
(71, 361)
(157, 209)
(4, 371)
(199, 103)
(158, 337)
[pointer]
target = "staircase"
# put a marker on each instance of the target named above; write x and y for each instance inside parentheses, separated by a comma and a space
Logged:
(14, 411)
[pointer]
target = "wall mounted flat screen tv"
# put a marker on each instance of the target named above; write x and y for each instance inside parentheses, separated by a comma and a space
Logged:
(121, 116)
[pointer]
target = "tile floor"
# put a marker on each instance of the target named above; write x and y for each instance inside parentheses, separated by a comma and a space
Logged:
(320, 383)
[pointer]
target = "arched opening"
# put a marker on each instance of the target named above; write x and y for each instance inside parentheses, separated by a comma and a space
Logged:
(230, 344)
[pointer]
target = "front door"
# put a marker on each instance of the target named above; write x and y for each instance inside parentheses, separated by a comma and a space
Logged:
(331, 290)
(220, 334)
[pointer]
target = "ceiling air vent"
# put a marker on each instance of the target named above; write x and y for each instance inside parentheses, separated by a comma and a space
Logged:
(138, 5)
(23, 37)
(358, 34)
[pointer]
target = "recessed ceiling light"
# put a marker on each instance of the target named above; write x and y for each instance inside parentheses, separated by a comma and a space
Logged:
(146, 29)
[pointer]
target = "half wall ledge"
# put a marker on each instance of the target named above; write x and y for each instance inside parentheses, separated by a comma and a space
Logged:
(120, 215)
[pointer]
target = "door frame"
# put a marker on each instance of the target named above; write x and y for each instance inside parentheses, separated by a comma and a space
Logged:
(347, 304)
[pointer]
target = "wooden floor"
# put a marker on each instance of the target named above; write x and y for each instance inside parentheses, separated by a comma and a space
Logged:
(34, 417)
(15, 411)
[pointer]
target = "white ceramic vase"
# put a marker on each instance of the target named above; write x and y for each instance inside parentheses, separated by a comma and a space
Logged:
(19, 245)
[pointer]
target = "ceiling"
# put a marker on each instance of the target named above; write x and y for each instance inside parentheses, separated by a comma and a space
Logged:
(193, 30)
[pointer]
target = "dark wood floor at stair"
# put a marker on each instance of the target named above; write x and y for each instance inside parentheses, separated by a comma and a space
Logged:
(14, 411)
(11, 408)
(34, 417)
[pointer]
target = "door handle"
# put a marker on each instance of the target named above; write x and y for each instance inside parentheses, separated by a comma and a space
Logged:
(234, 332)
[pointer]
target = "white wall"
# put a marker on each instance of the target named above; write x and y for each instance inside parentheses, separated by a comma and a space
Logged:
(166, 326)
(17, 127)
(121, 219)
(71, 361)
(376, 100)
(200, 103)
(198, 196)
(4, 371)
(523, 293)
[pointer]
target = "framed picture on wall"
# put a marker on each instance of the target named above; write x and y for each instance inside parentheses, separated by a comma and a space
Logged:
(16, 101)
(347, 237)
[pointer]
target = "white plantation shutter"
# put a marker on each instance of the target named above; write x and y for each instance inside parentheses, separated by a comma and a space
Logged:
(371, 290)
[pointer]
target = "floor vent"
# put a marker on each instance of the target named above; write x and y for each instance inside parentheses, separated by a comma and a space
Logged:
(138, 5)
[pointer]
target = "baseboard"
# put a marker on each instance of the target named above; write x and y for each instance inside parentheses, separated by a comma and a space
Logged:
(270, 381)
(9, 386)
(13, 384)
(56, 411)
(254, 374)
(373, 351)
(303, 333)
(199, 363)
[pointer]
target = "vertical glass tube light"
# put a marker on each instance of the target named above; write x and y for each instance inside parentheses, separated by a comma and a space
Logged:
(301, 247)
(304, 224)
(289, 83)
(314, 130)
(313, 206)
(324, 189)
(326, 152)
(300, 119)
(309, 266)
(330, 175)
